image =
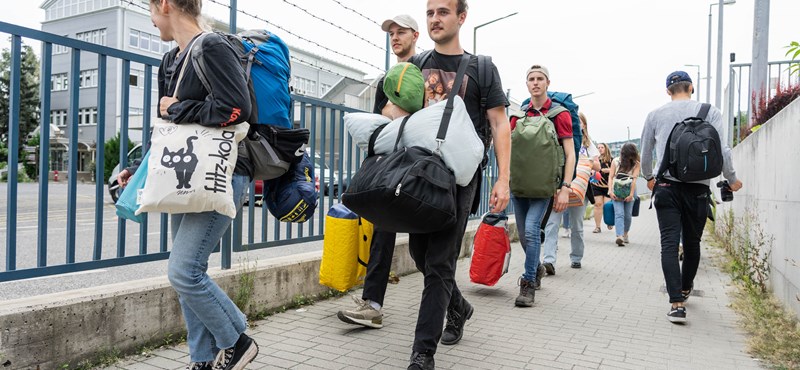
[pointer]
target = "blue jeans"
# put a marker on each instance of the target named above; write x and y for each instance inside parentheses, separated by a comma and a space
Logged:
(574, 215)
(529, 213)
(623, 213)
(213, 321)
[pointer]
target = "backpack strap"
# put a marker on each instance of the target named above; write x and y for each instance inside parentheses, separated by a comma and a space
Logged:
(420, 59)
(485, 80)
(373, 138)
(704, 108)
(448, 109)
(555, 110)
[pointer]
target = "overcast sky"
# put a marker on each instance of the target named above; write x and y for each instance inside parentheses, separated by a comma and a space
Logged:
(619, 50)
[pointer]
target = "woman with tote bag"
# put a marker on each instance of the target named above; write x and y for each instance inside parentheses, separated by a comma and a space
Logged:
(215, 326)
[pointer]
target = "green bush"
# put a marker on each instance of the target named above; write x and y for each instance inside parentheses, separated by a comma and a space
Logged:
(111, 154)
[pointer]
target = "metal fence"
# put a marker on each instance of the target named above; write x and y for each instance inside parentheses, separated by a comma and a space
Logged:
(63, 238)
(739, 108)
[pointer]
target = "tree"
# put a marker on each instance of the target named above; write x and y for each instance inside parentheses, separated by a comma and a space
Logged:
(111, 155)
(29, 93)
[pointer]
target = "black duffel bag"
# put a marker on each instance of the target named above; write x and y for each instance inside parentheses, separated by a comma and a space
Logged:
(410, 190)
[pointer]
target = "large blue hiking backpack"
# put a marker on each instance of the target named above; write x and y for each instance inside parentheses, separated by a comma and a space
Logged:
(265, 58)
(565, 100)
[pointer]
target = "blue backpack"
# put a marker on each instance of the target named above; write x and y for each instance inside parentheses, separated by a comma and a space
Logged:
(265, 58)
(293, 196)
(565, 100)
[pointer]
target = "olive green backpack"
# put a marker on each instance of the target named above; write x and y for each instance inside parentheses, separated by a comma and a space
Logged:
(537, 158)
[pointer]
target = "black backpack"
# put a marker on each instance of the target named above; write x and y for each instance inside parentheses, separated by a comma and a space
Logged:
(694, 150)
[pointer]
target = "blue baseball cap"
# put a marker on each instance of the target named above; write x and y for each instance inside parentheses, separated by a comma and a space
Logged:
(678, 76)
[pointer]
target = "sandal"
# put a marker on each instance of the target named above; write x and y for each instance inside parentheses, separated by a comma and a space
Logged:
(596, 230)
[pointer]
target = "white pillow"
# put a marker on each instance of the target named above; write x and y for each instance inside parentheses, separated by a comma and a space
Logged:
(462, 149)
(362, 125)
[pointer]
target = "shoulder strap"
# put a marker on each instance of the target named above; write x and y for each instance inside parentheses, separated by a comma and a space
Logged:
(448, 109)
(373, 138)
(200, 66)
(555, 110)
(420, 59)
(662, 169)
(485, 80)
(400, 132)
(704, 108)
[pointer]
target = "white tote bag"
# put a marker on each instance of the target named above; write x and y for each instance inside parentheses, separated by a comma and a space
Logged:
(191, 166)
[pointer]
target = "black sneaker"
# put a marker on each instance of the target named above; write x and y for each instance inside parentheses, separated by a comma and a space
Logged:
(526, 294)
(686, 294)
(421, 361)
(677, 315)
(200, 366)
(575, 265)
(454, 329)
(238, 356)
(537, 284)
(549, 269)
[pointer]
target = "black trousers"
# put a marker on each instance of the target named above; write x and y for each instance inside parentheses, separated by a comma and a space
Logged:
(435, 255)
(379, 265)
(682, 209)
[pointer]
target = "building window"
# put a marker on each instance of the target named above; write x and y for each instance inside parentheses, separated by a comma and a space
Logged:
(305, 86)
(148, 42)
(135, 111)
(323, 89)
(68, 8)
(89, 78)
(59, 82)
(87, 116)
(94, 36)
(58, 117)
(60, 49)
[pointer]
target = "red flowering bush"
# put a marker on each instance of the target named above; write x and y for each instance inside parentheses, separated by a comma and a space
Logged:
(767, 109)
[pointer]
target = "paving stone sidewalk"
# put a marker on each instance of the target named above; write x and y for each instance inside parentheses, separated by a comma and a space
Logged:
(610, 314)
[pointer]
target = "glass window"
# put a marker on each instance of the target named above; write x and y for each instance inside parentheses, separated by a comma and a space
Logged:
(144, 41)
(155, 44)
(134, 38)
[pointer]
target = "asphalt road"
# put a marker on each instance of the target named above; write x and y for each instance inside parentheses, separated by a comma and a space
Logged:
(27, 235)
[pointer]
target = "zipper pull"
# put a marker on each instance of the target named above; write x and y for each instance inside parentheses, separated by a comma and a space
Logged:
(397, 191)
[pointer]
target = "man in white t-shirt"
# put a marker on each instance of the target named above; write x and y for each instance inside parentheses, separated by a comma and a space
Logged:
(575, 215)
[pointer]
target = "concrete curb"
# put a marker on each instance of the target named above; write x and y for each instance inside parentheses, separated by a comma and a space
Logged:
(53, 330)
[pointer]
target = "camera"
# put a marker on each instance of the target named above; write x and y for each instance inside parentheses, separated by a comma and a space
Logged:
(725, 191)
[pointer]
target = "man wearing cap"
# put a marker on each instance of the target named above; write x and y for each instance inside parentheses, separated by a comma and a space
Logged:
(681, 206)
(532, 213)
(368, 312)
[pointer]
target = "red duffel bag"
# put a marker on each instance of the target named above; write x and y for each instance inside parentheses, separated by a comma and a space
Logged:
(491, 250)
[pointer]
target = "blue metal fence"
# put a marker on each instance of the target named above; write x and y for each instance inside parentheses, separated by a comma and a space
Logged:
(740, 101)
(334, 154)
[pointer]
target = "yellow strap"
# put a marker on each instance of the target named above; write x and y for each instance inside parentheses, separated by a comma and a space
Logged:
(400, 81)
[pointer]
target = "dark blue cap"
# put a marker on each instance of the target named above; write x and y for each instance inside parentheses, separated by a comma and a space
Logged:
(678, 76)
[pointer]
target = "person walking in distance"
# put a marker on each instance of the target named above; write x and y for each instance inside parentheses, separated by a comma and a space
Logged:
(600, 187)
(622, 190)
(574, 214)
(215, 326)
(681, 206)
(435, 254)
(532, 213)
(403, 33)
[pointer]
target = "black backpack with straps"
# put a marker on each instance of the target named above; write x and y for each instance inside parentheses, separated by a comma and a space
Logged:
(694, 150)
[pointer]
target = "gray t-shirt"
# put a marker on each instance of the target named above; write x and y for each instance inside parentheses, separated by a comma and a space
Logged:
(658, 126)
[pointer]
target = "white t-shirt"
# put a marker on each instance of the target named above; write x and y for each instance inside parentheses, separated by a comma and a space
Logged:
(590, 152)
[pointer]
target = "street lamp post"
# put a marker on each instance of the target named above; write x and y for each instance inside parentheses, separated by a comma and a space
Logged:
(719, 53)
(697, 85)
(475, 32)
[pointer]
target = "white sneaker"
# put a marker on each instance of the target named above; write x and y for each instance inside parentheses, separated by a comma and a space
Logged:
(565, 233)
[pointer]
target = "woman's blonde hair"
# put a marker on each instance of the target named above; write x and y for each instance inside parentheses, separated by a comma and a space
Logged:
(586, 141)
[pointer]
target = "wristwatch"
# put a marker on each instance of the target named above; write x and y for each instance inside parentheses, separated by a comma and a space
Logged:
(566, 184)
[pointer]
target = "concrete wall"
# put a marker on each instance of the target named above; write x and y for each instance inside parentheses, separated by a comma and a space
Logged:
(65, 328)
(765, 163)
